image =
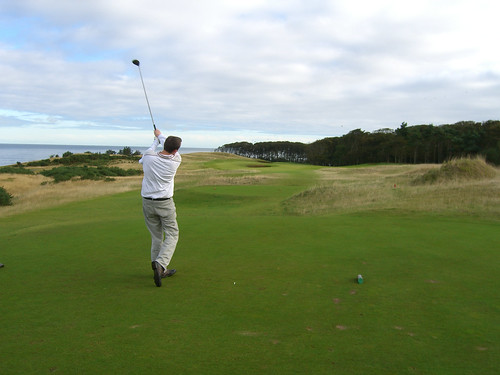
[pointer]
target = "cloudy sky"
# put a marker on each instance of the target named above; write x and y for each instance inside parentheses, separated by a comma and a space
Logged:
(221, 71)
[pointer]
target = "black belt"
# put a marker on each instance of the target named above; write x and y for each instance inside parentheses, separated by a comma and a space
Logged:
(156, 199)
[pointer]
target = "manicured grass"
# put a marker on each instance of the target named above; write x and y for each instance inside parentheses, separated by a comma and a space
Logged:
(257, 291)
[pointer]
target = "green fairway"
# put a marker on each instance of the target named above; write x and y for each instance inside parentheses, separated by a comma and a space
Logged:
(260, 289)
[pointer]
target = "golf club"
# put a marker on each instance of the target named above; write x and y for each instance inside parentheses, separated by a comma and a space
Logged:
(138, 64)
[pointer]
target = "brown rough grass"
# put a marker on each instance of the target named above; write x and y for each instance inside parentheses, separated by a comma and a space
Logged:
(392, 187)
(33, 192)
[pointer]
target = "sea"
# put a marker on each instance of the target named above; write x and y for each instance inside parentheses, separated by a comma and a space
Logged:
(13, 153)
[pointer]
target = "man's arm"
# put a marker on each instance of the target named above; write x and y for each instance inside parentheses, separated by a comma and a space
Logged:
(159, 140)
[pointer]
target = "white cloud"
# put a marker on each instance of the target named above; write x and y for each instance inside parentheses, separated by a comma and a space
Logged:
(219, 69)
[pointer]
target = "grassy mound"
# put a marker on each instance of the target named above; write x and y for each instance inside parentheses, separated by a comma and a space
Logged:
(458, 169)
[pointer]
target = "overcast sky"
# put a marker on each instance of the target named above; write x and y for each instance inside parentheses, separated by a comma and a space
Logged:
(221, 71)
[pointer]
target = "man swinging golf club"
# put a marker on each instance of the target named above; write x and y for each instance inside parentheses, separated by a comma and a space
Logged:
(157, 201)
(157, 196)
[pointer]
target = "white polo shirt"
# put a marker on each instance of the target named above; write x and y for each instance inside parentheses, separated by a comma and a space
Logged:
(159, 171)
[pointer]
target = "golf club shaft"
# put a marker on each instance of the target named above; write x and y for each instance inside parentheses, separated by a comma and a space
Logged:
(146, 95)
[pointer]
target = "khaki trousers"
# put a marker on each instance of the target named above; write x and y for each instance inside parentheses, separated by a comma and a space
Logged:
(161, 220)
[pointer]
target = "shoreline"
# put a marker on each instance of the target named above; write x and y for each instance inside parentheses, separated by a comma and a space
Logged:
(11, 154)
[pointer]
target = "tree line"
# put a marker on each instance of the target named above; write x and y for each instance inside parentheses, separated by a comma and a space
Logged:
(407, 144)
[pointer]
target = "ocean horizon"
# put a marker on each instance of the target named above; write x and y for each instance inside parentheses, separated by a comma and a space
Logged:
(12, 153)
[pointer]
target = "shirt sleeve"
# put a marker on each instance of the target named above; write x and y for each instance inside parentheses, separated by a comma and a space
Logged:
(161, 139)
(152, 149)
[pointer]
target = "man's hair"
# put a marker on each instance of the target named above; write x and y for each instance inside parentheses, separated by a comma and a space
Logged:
(172, 143)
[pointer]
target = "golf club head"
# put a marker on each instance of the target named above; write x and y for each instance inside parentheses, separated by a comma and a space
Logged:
(136, 62)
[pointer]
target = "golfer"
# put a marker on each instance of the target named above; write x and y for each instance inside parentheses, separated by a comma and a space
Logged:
(157, 201)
